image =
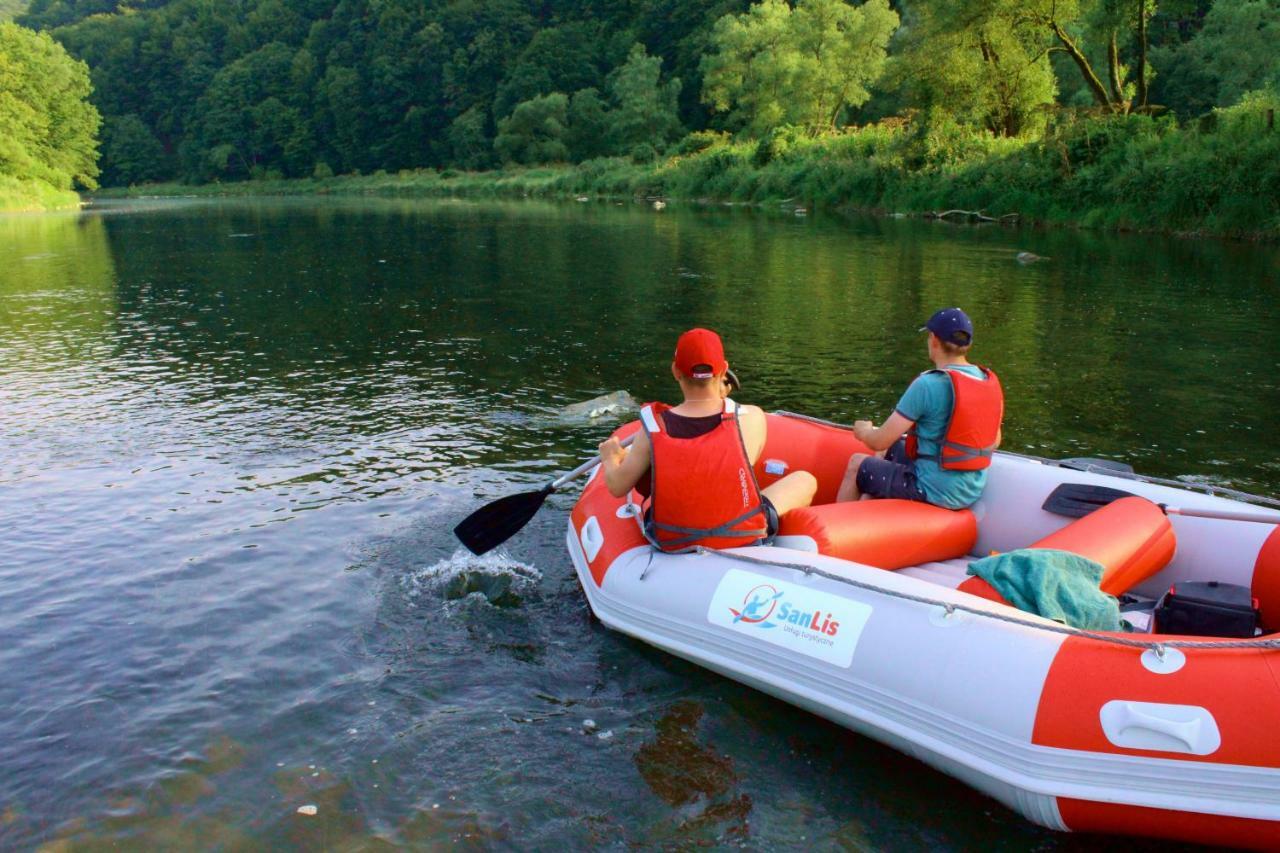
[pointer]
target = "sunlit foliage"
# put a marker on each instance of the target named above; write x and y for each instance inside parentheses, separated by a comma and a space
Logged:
(776, 64)
(48, 128)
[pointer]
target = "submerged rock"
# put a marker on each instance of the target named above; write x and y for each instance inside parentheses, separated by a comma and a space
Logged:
(617, 403)
(494, 586)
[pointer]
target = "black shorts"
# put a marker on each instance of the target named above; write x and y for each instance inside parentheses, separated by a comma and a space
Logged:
(894, 476)
(771, 517)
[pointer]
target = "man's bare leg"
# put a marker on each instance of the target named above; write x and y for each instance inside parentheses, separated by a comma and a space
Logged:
(848, 490)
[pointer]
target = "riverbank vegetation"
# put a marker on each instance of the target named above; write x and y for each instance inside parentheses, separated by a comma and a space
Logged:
(1221, 176)
(47, 126)
(1129, 113)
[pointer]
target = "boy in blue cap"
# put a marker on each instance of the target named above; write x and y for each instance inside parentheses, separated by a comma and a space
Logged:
(940, 437)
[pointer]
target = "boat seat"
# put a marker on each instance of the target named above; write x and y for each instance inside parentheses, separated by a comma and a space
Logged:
(886, 534)
(1131, 538)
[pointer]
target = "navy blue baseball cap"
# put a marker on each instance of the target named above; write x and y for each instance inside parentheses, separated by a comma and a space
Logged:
(952, 326)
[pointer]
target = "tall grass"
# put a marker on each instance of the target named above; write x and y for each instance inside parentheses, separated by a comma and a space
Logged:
(17, 194)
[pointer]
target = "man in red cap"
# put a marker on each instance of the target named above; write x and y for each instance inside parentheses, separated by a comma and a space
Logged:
(698, 457)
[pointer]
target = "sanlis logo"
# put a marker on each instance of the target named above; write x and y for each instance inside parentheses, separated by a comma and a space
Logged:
(760, 602)
(752, 604)
(815, 623)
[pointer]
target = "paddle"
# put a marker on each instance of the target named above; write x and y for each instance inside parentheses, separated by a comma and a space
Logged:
(496, 522)
(1076, 500)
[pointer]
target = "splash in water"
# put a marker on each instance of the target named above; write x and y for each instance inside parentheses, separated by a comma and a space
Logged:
(495, 575)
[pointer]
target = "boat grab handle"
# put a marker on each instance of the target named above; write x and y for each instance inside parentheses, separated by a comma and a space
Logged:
(1157, 726)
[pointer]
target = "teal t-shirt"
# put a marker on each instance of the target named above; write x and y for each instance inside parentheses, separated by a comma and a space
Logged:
(928, 401)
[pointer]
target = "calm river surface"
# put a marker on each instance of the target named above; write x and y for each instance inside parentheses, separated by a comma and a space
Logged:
(234, 437)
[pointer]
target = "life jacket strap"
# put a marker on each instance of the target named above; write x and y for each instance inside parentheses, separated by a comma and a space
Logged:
(693, 534)
(962, 452)
(649, 420)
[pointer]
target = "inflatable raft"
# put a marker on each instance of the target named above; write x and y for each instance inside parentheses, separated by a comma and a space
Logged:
(863, 613)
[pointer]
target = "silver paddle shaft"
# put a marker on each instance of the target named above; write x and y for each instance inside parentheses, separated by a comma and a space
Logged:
(1261, 518)
(586, 466)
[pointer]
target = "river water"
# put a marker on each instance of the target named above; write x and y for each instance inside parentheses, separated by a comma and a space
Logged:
(235, 436)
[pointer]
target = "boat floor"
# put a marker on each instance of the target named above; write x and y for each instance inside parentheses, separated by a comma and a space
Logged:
(947, 573)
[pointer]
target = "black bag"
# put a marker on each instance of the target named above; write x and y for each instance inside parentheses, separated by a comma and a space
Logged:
(1207, 609)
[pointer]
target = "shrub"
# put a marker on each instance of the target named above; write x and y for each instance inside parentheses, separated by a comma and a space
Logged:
(776, 143)
(698, 141)
(643, 153)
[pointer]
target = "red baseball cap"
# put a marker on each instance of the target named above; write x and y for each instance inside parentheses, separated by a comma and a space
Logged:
(700, 354)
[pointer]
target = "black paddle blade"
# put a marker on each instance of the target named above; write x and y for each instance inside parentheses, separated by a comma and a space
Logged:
(1076, 500)
(495, 523)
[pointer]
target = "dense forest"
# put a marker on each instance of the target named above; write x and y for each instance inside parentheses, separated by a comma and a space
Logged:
(1128, 113)
(202, 90)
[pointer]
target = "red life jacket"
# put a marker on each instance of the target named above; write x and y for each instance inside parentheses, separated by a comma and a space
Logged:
(977, 411)
(703, 491)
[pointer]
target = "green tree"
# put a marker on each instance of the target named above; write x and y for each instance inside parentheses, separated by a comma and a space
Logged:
(469, 144)
(644, 108)
(48, 128)
(130, 152)
(1236, 51)
(976, 65)
(1091, 33)
(588, 125)
(776, 65)
(535, 131)
(563, 58)
(10, 9)
(341, 95)
(245, 125)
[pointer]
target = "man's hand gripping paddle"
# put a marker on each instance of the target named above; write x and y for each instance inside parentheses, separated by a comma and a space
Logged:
(496, 522)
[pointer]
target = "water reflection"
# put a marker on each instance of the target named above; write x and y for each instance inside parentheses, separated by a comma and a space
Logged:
(237, 435)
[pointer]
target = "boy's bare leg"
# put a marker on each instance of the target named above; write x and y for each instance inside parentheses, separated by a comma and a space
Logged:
(791, 492)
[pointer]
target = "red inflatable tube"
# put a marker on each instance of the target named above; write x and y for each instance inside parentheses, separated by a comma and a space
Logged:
(1131, 538)
(887, 534)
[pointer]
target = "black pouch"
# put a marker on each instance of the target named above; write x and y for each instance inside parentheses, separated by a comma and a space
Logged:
(1207, 609)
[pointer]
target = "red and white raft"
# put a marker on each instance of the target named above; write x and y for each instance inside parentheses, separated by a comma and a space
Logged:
(862, 613)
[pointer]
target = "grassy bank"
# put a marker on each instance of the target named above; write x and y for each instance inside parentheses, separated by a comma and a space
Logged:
(30, 195)
(1221, 176)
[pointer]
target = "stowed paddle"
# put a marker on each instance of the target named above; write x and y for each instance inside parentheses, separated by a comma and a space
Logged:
(1076, 500)
(496, 522)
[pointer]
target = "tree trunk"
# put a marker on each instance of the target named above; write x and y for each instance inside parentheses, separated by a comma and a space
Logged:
(1082, 62)
(1004, 123)
(1142, 53)
(1113, 69)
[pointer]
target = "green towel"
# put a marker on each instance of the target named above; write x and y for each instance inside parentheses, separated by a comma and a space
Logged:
(1058, 585)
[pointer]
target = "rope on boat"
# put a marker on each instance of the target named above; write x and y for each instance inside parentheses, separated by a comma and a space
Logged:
(1158, 646)
(1206, 488)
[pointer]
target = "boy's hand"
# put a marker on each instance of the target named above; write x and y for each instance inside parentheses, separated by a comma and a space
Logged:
(612, 452)
(861, 428)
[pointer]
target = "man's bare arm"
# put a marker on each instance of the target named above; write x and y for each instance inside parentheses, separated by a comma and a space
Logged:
(882, 437)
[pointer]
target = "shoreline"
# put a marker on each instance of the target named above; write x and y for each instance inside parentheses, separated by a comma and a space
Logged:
(509, 184)
(821, 177)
